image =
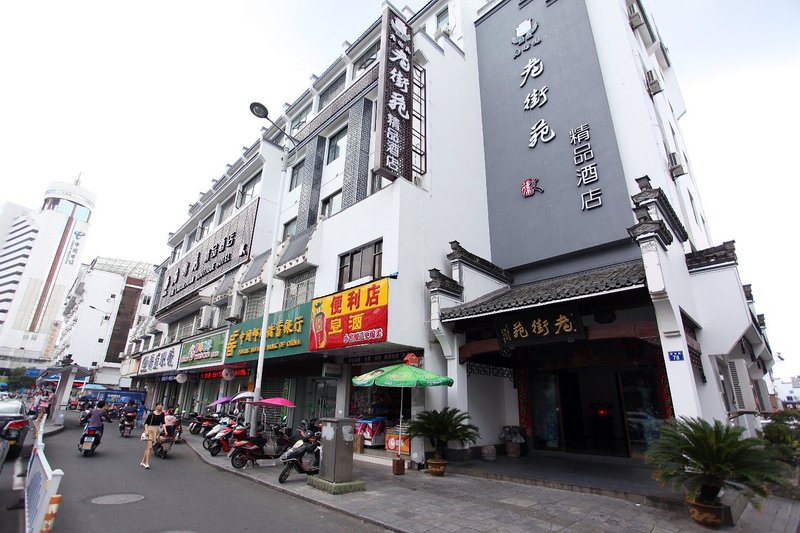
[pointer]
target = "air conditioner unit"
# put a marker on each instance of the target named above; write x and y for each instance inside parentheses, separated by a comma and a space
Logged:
(635, 15)
(653, 83)
(676, 167)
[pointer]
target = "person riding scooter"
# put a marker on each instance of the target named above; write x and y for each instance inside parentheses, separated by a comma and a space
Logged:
(95, 418)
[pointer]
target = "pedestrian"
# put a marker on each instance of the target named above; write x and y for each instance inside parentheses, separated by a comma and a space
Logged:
(169, 422)
(151, 426)
(140, 410)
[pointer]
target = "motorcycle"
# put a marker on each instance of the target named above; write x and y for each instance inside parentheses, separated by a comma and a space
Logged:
(164, 442)
(197, 421)
(303, 456)
(90, 440)
(208, 424)
(223, 440)
(249, 450)
(209, 434)
(126, 424)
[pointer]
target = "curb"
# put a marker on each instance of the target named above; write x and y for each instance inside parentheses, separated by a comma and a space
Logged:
(288, 492)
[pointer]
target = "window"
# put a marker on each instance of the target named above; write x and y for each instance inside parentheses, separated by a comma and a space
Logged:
(254, 307)
(249, 190)
(336, 145)
(297, 175)
(227, 209)
(289, 229)
(146, 299)
(442, 20)
(360, 263)
(330, 92)
(332, 204)
(299, 289)
(176, 252)
(367, 58)
(300, 120)
(204, 228)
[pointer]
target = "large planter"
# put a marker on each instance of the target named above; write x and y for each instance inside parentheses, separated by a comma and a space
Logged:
(437, 467)
(706, 514)
(488, 452)
(513, 449)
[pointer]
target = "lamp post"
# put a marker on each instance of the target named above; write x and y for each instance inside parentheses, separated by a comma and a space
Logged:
(260, 111)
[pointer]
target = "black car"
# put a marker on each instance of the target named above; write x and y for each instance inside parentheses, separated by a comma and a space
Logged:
(13, 425)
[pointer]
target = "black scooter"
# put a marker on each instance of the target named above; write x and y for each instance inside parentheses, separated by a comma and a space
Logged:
(304, 456)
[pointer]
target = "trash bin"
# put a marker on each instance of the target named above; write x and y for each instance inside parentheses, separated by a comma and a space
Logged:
(336, 465)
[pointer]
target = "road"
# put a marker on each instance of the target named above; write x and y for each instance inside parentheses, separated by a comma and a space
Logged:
(181, 493)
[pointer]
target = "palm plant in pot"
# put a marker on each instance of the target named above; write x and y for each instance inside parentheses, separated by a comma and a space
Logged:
(441, 427)
(704, 459)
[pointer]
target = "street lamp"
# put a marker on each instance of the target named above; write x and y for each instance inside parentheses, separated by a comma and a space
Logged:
(261, 111)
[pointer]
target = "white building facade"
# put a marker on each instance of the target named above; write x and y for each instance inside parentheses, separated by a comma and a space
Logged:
(108, 298)
(39, 259)
(499, 188)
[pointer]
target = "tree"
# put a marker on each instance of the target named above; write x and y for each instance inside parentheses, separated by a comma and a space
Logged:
(18, 380)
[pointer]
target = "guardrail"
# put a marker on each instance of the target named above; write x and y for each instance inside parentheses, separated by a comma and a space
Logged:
(41, 486)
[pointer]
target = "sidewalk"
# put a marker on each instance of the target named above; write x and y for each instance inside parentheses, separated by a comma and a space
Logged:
(417, 502)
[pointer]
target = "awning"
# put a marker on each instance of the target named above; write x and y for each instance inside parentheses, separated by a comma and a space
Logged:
(593, 282)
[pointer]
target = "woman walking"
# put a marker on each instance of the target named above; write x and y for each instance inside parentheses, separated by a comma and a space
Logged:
(151, 426)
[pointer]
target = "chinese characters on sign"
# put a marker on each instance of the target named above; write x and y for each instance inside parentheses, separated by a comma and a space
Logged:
(74, 245)
(287, 334)
(226, 248)
(358, 315)
(159, 361)
(203, 351)
(395, 98)
(676, 356)
(552, 324)
(530, 187)
(586, 171)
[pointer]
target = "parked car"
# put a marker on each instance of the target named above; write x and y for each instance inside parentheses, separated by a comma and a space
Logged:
(3, 450)
(14, 424)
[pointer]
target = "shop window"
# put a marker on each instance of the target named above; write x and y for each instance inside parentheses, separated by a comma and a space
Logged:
(297, 175)
(332, 204)
(299, 289)
(336, 145)
(362, 262)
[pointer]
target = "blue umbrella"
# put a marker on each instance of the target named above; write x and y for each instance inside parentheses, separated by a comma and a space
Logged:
(93, 386)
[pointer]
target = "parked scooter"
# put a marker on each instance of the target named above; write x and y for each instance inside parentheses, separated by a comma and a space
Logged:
(223, 441)
(304, 456)
(250, 450)
(223, 423)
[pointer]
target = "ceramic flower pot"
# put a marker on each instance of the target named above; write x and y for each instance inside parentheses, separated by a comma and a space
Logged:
(708, 515)
(437, 467)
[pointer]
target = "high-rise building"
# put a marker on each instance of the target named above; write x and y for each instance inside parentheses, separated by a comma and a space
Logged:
(39, 258)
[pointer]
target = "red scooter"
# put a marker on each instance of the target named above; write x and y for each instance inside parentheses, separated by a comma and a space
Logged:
(250, 450)
(223, 440)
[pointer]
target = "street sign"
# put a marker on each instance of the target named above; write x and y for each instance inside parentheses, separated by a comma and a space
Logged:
(675, 356)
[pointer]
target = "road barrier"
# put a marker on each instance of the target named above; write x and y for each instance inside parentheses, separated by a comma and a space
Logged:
(41, 486)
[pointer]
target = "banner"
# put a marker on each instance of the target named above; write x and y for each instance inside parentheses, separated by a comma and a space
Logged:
(203, 351)
(287, 334)
(358, 315)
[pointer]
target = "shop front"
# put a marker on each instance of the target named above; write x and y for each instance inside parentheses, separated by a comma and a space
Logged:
(155, 365)
(198, 355)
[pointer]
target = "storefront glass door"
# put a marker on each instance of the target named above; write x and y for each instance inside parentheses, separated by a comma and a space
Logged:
(546, 412)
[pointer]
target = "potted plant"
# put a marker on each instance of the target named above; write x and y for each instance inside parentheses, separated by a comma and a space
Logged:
(513, 438)
(703, 459)
(441, 427)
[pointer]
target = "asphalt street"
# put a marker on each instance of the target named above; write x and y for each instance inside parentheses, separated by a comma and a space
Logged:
(110, 492)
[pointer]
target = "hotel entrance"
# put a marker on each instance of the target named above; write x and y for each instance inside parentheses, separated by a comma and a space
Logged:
(600, 410)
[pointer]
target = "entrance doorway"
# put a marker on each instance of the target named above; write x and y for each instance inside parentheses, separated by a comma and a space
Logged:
(583, 410)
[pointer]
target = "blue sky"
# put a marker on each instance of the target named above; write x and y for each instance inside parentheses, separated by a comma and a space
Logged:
(150, 101)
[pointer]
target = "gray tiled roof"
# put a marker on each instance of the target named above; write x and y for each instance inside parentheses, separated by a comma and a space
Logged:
(595, 281)
(297, 246)
(226, 284)
(255, 267)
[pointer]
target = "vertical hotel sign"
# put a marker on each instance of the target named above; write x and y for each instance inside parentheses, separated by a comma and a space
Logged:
(358, 315)
(395, 98)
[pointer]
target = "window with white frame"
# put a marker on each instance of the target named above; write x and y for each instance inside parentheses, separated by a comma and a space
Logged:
(443, 20)
(336, 145)
(289, 229)
(249, 190)
(332, 204)
(204, 228)
(327, 95)
(299, 289)
(297, 175)
(254, 308)
(301, 118)
(227, 208)
(368, 58)
(361, 262)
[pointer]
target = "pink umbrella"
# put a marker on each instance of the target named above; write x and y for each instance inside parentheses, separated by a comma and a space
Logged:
(277, 401)
(224, 399)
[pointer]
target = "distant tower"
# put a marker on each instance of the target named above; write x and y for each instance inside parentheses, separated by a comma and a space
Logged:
(39, 258)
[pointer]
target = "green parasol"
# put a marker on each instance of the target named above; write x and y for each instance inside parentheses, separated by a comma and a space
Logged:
(401, 375)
